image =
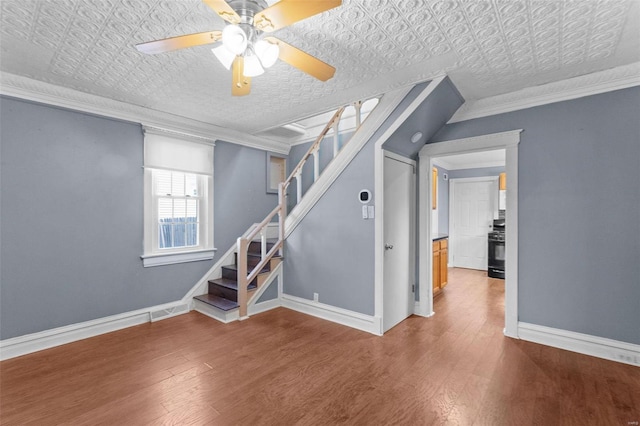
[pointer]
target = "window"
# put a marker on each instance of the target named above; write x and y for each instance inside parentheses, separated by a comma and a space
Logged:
(178, 202)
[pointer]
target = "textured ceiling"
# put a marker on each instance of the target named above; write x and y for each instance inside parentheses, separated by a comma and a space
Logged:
(487, 47)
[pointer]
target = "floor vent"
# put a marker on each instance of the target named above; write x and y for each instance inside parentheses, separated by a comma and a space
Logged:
(168, 313)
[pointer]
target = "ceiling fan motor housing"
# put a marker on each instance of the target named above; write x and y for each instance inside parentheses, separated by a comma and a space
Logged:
(247, 9)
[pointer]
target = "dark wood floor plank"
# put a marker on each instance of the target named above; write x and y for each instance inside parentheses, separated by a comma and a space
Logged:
(282, 367)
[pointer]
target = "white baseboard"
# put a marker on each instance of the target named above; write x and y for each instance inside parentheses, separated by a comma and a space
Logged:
(29, 343)
(352, 319)
(265, 306)
(600, 347)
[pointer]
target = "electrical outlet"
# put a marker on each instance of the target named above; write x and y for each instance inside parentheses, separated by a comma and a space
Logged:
(315, 297)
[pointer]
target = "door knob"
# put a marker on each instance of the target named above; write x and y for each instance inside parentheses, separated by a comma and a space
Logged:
(388, 246)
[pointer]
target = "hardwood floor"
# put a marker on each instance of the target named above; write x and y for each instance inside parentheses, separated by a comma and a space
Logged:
(282, 368)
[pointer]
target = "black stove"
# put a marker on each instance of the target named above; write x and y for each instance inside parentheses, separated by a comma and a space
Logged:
(496, 240)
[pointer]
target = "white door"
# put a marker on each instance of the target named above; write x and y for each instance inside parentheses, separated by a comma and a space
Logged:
(474, 202)
(398, 299)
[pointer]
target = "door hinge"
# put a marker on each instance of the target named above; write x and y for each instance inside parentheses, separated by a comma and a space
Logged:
(413, 288)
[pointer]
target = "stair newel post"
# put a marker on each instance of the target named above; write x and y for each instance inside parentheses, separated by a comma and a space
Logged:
(316, 163)
(243, 246)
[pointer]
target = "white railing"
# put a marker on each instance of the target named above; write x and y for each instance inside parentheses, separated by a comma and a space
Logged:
(244, 275)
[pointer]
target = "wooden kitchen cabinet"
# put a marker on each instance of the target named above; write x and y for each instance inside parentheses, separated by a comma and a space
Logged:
(503, 181)
(440, 261)
(434, 188)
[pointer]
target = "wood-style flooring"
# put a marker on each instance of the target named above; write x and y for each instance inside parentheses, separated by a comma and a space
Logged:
(285, 368)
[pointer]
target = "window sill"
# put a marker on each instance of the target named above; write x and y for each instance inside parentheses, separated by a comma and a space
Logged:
(173, 258)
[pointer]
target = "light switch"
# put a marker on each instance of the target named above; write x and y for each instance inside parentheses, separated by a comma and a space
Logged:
(364, 212)
(372, 213)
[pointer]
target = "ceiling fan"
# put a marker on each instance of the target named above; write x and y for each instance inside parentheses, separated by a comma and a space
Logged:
(245, 49)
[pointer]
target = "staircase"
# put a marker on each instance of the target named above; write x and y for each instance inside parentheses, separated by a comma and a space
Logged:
(223, 292)
(257, 253)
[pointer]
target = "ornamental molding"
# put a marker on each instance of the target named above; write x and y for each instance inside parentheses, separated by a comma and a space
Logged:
(50, 94)
(585, 85)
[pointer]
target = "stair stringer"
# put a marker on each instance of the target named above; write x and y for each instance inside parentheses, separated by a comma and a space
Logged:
(387, 104)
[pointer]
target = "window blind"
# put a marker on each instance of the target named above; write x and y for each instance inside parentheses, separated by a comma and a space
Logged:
(168, 152)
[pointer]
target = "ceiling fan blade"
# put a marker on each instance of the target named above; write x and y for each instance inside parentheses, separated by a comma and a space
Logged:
(303, 61)
(287, 12)
(223, 9)
(241, 84)
(179, 42)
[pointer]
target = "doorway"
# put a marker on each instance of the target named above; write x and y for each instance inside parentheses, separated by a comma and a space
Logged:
(474, 205)
(399, 207)
(505, 140)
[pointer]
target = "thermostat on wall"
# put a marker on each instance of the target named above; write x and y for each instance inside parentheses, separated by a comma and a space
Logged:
(364, 196)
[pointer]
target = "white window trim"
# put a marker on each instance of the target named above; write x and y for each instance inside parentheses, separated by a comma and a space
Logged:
(152, 256)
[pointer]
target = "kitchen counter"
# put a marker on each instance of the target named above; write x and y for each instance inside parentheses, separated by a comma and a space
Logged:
(438, 237)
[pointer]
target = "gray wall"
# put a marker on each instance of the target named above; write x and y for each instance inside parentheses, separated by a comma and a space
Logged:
(428, 118)
(295, 155)
(579, 211)
(71, 230)
(331, 251)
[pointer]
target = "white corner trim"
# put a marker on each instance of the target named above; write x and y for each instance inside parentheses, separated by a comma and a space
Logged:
(586, 344)
(368, 323)
(22, 345)
(376, 118)
(50, 94)
(500, 140)
(621, 77)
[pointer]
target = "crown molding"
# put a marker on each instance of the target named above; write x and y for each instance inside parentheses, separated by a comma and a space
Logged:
(50, 94)
(586, 85)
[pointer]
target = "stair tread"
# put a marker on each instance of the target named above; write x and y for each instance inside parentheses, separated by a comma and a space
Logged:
(231, 284)
(235, 268)
(217, 302)
(275, 256)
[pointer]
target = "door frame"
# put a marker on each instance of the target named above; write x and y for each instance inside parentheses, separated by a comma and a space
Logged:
(412, 226)
(505, 140)
(452, 185)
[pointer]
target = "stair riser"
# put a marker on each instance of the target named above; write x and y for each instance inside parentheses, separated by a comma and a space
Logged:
(252, 261)
(227, 293)
(230, 274)
(255, 247)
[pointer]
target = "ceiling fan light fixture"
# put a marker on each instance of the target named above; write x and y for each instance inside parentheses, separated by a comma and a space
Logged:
(252, 66)
(224, 56)
(267, 53)
(234, 39)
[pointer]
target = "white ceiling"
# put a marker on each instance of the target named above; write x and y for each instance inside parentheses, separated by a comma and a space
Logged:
(487, 47)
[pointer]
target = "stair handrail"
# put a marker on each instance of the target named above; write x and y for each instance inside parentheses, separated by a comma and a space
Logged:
(244, 276)
(314, 146)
